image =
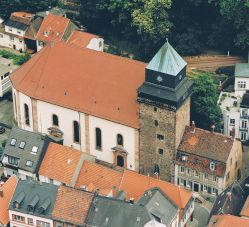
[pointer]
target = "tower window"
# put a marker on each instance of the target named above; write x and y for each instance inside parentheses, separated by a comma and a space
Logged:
(120, 161)
(120, 140)
(98, 139)
(160, 151)
(26, 114)
(155, 109)
(55, 120)
(156, 169)
(76, 132)
(160, 137)
(156, 123)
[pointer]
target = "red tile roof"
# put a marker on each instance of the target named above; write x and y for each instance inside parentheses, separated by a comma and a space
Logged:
(206, 144)
(228, 220)
(95, 176)
(54, 26)
(81, 39)
(22, 17)
(245, 210)
(91, 82)
(71, 205)
(60, 163)
(8, 190)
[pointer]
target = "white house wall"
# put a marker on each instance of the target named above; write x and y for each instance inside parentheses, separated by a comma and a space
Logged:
(7, 42)
(227, 116)
(241, 91)
(14, 31)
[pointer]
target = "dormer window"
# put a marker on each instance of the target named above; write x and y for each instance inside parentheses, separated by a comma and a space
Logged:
(13, 142)
(180, 77)
(34, 149)
(159, 79)
(46, 33)
(212, 166)
(22, 145)
(29, 163)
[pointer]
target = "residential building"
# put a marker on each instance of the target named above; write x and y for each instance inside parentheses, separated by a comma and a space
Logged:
(68, 200)
(18, 32)
(32, 204)
(6, 192)
(114, 127)
(6, 67)
(207, 162)
(23, 153)
(231, 206)
(108, 182)
(153, 205)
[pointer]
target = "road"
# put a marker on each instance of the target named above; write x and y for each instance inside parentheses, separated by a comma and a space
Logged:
(201, 214)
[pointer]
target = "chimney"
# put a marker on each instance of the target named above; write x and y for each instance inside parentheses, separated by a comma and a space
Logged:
(212, 128)
(192, 127)
(1, 192)
(233, 133)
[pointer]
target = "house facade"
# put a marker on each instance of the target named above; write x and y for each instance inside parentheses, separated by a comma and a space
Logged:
(115, 126)
(207, 162)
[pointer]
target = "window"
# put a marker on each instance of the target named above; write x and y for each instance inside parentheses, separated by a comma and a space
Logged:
(22, 145)
(13, 161)
(120, 140)
(244, 113)
(42, 224)
(155, 109)
(76, 132)
(18, 218)
(40, 43)
(11, 38)
(182, 169)
(206, 176)
(181, 181)
(160, 151)
(26, 114)
(205, 188)
(214, 190)
(100, 44)
(228, 175)
(196, 173)
(231, 161)
(212, 166)
(156, 169)
(55, 120)
(160, 137)
(241, 84)
(29, 163)
(189, 171)
(244, 124)
(34, 149)
(236, 164)
(13, 142)
(120, 161)
(214, 178)
(232, 121)
(188, 183)
(30, 221)
(156, 123)
(243, 136)
(98, 138)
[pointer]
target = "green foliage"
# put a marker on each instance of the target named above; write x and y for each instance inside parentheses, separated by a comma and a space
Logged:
(204, 109)
(17, 59)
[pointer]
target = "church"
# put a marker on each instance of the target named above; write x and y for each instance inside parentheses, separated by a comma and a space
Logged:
(124, 112)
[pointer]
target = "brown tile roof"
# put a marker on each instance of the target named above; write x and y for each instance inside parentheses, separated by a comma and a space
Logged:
(206, 144)
(54, 25)
(228, 220)
(245, 210)
(95, 176)
(135, 184)
(60, 163)
(8, 190)
(81, 39)
(22, 17)
(71, 205)
(91, 82)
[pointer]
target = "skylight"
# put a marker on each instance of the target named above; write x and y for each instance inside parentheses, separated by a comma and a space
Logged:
(34, 149)
(29, 163)
(22, 145)
(13, 142)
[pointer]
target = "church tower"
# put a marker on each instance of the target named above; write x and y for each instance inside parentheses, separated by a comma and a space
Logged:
(164, 111)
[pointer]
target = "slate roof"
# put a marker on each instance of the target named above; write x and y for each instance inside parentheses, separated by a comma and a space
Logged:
(16, 25)
(71, 206)
(242, 70)
(211, 145)
(8, 190)
(228, 221)
(25, 154)
(84, 76)
(33, 28)
(54, 11)
(167, 61)
(26, 193)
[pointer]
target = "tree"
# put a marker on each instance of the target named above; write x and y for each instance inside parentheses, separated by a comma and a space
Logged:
(204, 108)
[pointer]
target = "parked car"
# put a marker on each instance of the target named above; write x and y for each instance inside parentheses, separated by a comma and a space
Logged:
(2, 129)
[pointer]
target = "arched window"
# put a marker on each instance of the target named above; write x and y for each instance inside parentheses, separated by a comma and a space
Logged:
(120, 161)
(26, 114)
(76, 132)
(98, 139)
(55, 120)
(120, 140)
